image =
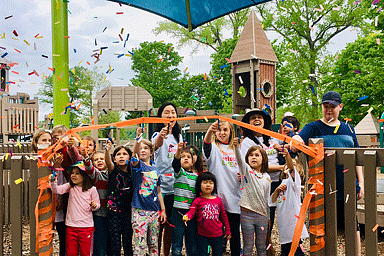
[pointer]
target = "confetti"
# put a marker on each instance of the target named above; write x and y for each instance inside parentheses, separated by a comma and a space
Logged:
(18, 181)
(5, 54)
(376, 21)
(262, 228)
(297, 216)
(8, 17)
(15, 33)
(119, 12)
(357, 71)
(225, 65)
(336, 8)
(168, 174)
(17, 50)
(241, 80)
(357, 2)
(269, 246)
(370, 110)
(346, 198)
(336, 129)
(378, 40)
(375, 227)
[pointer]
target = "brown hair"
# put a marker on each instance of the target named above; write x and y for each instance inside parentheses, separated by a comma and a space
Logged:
(90, 139)
(264, 164)
(35, 139)
(231, 136)
(194, 151)
(148, 143)
(59, 128)
(87, 182)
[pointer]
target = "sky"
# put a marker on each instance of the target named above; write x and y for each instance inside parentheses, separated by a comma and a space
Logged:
(86, 21)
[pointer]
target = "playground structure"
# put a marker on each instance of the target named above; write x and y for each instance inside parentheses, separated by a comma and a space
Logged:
(368, 131)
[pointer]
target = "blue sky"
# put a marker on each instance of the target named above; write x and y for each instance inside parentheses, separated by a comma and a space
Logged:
(86, 23)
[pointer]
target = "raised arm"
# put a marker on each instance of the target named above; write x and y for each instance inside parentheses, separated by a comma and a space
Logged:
(161, 136)
(240, 160)
(207, 145)
(136, 146)
(108, 159)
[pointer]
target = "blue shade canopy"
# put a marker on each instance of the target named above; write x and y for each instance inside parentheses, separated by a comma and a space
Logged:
(201, 11)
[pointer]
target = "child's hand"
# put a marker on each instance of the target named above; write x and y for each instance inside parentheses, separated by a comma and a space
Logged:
(185, 218)
(57, 160)
(214, 127)
(52, 177)
(180, 146)
(83, 151)
(140, 130)
(93, 205)
(228, 237)
(236, 142)
(281, 187)
(239, 177)
(108, 145)
(164, 132)
(278, 147)
(163, 217)
(71, 142)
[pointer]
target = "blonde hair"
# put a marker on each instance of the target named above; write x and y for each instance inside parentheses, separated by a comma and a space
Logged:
(148, 143)
(60, 128)
(36, 137)
(299, 168)
(231, 136)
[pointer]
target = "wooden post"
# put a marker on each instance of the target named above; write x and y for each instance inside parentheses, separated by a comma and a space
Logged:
(316, 249)
(330, 202)
(15, 205)
(349, 161)
(1, 208)
(370, 198)
(33, 195)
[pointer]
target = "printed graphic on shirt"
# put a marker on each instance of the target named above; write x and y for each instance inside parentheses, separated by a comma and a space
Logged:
(281, 197)
(211, 212)
(270, 150)
(229, 159)
(172, 148)
(149, 183)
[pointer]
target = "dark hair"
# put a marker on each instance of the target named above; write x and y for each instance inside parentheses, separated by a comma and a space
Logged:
(87, 182)
(264, 163)
(293, 120)
(176, 130)
(205, 176)
(91, 139)
(250, 134)
(194, 151)
(120, 147)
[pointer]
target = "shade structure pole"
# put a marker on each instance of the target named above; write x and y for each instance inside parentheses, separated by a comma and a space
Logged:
(188, 6)
(60, 61)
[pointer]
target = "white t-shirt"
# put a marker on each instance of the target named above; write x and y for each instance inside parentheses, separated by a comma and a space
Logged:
(163, 158)
(288, 205)
(222, 163)
(271, 152)
(256, 187)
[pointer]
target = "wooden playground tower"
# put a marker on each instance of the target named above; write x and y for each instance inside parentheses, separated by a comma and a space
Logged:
(19, 113)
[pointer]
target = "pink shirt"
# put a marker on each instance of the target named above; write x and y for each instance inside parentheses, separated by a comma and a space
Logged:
(79, 211)
(210, 216)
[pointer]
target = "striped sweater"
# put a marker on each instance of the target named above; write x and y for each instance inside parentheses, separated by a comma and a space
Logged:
(184, 187)
(100, 180)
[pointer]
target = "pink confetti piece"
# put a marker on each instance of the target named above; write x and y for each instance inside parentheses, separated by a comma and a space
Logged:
(345, 170)
(357, 71)
(297, 216)
(262, 228)
(170, 48)
(269, 246)
(119, 12)
(378, 40)
(381, 8)
(357, 2)
(376, 21)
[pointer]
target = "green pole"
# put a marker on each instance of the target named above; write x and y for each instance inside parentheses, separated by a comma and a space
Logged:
(60, 61)
(381, 138)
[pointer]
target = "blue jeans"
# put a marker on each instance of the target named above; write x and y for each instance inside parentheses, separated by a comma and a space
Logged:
(180, 230)
(100, 236)
(216, 244)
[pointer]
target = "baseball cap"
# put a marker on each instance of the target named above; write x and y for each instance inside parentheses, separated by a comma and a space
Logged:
(331, 97)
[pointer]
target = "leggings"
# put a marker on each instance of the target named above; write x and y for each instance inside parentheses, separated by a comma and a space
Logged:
(120, 224)
(253, 223)
(146, 226)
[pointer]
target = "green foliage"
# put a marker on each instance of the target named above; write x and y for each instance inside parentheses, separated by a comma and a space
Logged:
(302, 52)
(157, 70)
(358, 72)
(374, 10)
(84, 84)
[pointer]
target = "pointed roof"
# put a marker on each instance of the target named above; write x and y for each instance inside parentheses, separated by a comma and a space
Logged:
(369, 125)
(253, 41)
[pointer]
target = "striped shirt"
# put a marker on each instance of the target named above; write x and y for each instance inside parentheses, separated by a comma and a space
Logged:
(184, 187)
(100, 180)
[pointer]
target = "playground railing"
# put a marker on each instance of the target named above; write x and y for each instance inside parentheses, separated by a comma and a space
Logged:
(20, 199)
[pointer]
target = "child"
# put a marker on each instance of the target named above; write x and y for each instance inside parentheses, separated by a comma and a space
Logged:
(186, 172)
(211, 216)
(83, 199)
(41, 140)
(287, 199)
(147, 202)
(88, 147)
(119, 199)
(97, 171)
(165, 140)
(221, 161)
(290, 126)
(256, 186)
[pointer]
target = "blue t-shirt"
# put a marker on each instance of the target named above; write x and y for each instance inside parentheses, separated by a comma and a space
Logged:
(344, 138)
(145, 179)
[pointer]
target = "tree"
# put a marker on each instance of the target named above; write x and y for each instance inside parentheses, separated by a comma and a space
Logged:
(358, 76)
(84, 84)
(208, 35)
(306, 28)
(156, 66)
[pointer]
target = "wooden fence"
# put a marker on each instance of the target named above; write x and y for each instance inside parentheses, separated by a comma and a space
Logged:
(20, 199)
